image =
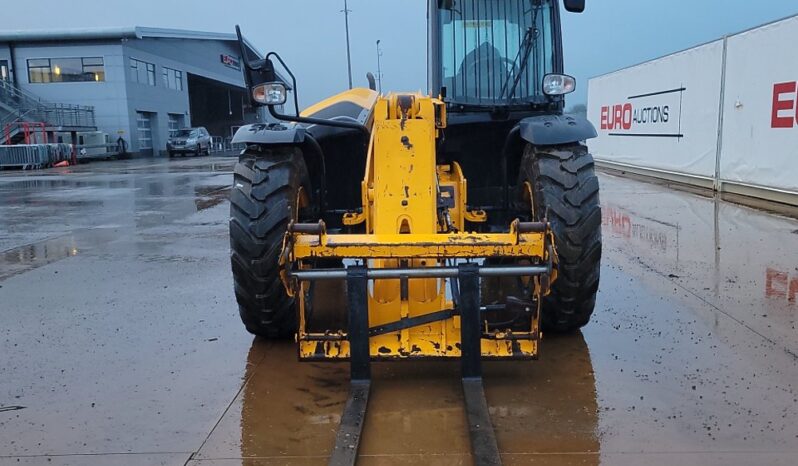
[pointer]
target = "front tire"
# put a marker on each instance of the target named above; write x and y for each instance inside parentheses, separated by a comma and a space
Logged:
(565, 190)
(262, 203)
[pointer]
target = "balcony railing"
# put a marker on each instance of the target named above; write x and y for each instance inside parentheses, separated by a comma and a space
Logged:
(19, 105)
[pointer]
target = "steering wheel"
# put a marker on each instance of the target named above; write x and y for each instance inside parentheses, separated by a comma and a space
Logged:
(478, 64)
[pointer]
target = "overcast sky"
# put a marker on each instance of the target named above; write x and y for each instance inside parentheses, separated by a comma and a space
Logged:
(309, 34)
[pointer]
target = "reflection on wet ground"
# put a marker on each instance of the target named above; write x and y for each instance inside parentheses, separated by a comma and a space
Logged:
(37, 206)
(416, 414)
(120, 341)
(741, 261)
(30, 256)
(206, 197)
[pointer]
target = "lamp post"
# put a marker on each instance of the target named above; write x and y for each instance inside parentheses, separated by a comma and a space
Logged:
(346, 12)
(379, 69)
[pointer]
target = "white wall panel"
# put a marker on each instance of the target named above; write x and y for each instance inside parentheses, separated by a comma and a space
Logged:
(756, 152)
(760, 128)
(661, 114)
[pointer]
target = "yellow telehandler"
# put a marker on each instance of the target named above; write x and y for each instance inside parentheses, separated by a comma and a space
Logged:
(406, 208)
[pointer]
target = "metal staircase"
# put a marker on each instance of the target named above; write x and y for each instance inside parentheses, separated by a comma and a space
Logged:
(18, 107)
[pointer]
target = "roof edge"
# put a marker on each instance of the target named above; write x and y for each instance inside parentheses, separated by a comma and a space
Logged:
(113, 33)
(68, 34)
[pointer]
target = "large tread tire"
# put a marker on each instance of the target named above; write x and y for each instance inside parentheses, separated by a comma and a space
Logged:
(262, 203)
(566, 192)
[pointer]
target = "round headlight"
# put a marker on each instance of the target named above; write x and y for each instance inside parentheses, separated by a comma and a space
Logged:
(558, 84)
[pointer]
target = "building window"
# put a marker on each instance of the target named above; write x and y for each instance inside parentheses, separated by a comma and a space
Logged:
(175, 123)
(144, 126)
(142, 72)
(172, 79)
(66, 70)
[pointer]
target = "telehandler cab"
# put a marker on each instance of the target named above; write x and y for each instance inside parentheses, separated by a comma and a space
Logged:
(374, 227)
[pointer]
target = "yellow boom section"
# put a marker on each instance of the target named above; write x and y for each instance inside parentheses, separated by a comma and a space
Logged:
(414, 216)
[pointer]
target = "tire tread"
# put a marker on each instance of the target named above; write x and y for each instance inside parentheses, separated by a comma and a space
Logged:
(261, 205)
(566, 192)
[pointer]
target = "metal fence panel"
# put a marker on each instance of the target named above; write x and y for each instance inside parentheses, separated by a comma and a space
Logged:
(34, 155)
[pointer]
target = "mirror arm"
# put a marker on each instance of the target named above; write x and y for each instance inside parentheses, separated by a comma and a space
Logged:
(292, 118)
(320, 121)
(244, 57)
(293, 79)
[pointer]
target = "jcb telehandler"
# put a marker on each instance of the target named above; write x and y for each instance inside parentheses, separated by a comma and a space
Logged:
(354, 230)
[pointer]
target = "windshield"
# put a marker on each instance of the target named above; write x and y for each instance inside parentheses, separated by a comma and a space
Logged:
(496, 52)
(185, 133)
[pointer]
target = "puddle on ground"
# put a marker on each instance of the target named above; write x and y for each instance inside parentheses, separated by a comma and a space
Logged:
(210, 196)
(73, 197)
(742, 261)
(416, 413)
(31, 256)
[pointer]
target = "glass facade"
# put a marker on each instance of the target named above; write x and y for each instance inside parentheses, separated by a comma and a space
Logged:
(172, 79)
(66, 70)
(142, 72)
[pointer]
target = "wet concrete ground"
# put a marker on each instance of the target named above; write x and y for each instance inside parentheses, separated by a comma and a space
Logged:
(120, 342)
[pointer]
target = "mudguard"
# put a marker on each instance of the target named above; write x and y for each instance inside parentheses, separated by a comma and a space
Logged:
(272, 133)
(551, 130)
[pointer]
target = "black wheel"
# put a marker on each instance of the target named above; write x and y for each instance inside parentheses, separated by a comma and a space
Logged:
(564, 189)
(268, 188)
(171, 155)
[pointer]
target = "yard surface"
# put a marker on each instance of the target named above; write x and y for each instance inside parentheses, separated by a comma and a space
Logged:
(120, 342)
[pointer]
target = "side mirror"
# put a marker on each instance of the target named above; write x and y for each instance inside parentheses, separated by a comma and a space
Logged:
(260, 72)
(267, 88)
(259, 75)
(574, 6)
(446, 4)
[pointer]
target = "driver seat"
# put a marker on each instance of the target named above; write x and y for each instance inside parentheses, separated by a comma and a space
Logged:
(483, 71)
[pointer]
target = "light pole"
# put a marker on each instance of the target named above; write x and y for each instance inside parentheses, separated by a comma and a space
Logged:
(379, 70)
(346, 12)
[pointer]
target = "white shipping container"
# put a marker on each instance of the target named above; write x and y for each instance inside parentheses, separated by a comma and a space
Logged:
(723, 114)
(662, 114)
(760, 110)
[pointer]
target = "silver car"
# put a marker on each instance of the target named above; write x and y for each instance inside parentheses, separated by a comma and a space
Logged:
(195, 141)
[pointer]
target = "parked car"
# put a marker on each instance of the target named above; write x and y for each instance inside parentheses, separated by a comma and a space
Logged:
(195, 141)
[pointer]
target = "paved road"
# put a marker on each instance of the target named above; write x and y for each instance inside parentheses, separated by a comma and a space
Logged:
(120, 342)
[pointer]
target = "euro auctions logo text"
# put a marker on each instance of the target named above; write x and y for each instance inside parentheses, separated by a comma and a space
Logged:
(624, 116)
(785, 105)
(656, 114)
